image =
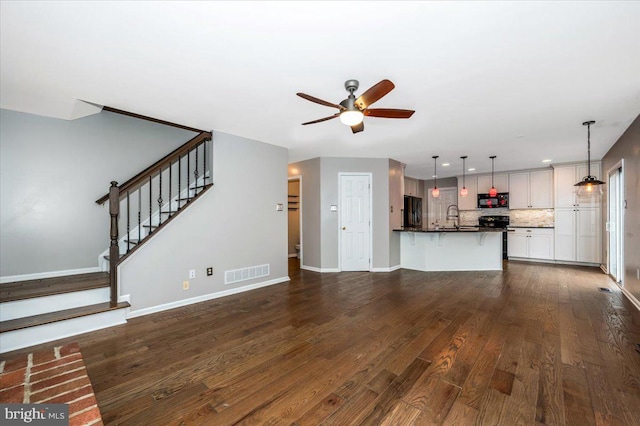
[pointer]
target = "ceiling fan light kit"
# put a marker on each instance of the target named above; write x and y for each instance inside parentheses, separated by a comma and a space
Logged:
(352, 111)
(589, 185)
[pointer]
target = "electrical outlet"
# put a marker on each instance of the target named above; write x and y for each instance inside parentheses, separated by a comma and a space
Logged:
(192, 273)
(185, 285)
(210, 271)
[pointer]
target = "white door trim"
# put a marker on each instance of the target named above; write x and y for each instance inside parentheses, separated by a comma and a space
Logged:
(299, 179)
(340, 176)
(620, 228)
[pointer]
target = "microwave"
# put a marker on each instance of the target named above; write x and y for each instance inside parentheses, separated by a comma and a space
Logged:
(485, 201)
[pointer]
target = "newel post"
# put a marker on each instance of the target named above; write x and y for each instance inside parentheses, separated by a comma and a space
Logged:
(114, 251)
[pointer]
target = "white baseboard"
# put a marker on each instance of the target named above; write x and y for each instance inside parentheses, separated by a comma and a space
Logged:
(631, 298)
(554, 262)
(52, 274)
(184, 302)
(389, 269)
(314, 269)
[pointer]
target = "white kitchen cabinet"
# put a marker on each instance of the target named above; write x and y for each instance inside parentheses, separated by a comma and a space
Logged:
(500, 182)
(531, 190)
(411, 187)
(565, 177)
(470, 202)
(577, 234)
(530, 243)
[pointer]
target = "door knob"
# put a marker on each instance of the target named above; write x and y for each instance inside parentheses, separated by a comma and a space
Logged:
(344, 228)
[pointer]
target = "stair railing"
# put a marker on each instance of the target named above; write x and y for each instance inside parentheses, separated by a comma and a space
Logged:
(188, 160)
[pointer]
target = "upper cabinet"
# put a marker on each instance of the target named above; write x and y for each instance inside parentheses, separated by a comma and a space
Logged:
(565, 177)
(531, 190)
(500, 182)
(470, 202)
(410, 186)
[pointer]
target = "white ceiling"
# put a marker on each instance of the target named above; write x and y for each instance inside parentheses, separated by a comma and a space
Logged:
(514, 79)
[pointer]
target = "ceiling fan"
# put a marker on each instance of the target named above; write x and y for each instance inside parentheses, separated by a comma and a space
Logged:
(352, 110)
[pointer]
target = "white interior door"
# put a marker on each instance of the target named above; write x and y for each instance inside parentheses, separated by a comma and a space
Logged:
(614, 224)
(355, 222)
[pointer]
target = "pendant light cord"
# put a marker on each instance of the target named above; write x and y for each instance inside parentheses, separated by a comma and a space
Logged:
(588, 149)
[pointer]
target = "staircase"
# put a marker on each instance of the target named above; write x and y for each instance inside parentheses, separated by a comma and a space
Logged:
(37, 311)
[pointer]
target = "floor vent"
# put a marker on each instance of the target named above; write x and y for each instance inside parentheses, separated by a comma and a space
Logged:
(244, 274)
(604, 289)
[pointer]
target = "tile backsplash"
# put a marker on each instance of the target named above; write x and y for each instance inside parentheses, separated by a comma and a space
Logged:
(528, 217)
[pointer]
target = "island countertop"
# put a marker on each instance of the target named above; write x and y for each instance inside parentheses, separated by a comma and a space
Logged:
(452, 229)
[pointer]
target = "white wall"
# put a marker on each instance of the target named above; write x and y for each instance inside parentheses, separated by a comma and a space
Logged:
(234, 225)
(51, 173)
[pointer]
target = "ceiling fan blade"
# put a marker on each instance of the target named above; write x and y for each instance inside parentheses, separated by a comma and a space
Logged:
(318, 101)
(357, 127)
(374, 93)
(320, 120)
(389, 113)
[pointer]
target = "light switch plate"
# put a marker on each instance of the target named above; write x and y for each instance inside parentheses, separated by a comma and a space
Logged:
(333, 208)
(279, 207)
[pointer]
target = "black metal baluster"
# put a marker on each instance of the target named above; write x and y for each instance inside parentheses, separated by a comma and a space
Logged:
(170, 167)
(195, 175)
(139, 213)
(204, 162)
(179, 182)
(188, 169)
(128, 225)
(159, 200)
(150, 204)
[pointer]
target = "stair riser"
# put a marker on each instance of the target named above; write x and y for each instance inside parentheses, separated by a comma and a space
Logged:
(23, 338)
(57, 302)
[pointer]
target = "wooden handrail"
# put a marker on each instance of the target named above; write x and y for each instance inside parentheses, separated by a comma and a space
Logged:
(143, 176)
(153, 120)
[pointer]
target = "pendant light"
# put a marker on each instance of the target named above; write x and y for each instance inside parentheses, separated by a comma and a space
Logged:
(464, 191)
(589, 185)
(493, 191)
(435, 192)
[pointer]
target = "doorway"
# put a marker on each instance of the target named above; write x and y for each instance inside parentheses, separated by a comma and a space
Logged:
(355, 221)
(615, 223)
(294, 205)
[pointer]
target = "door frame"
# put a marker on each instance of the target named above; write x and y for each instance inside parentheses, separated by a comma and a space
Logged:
(299, 179)
(369, 175)
(619, 166)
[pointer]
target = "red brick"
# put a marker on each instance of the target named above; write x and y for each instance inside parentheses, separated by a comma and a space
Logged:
(13, 395)
(59, 389)
(55, 363)
(64, 399)
(15, 363)
(82, 404)
(43, 356)
(43, 384)
(14, 378)
(71, 348)
(86, 417)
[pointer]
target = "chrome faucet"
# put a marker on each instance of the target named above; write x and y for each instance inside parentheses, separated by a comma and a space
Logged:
(454, 213)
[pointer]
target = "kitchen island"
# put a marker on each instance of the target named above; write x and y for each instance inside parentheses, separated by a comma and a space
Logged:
(464, 249)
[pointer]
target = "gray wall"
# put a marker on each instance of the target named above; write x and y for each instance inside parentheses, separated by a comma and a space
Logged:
(51, 173)
(627, 147)
(310, 210)
(234, 225)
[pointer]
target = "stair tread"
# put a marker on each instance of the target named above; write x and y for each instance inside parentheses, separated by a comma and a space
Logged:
(51, 317)
(49, 286)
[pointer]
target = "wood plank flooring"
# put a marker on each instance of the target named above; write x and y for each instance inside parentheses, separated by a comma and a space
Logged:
(534, 344)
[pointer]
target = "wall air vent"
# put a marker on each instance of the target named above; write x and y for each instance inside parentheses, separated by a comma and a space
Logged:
(244, 274)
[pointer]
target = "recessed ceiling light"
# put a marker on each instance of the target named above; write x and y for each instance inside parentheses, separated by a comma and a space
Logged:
(548, 160)
(471, 169)
(445, 164)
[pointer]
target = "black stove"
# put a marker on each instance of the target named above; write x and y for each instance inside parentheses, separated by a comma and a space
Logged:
(497, 222)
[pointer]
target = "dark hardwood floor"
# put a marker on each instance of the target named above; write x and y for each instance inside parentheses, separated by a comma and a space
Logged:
(534, 344)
